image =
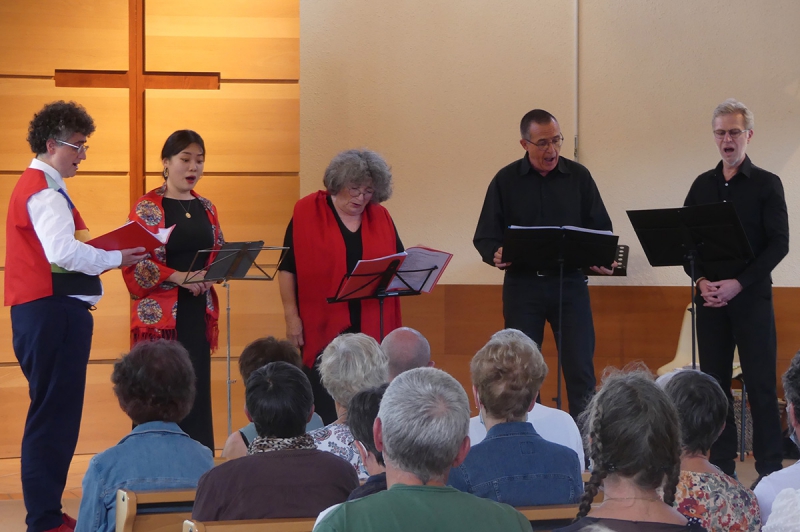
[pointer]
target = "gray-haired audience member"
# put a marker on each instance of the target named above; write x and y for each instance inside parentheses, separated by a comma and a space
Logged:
(422, 431)
(284, 475)
(514, 464)
(771, 485)
(552, 424)
(407, 349)
(634, 436)
(350, 363)
(154, 385)
(704, 491)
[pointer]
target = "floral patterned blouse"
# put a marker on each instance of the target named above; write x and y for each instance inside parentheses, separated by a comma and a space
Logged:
(336, 438)
(719, 501)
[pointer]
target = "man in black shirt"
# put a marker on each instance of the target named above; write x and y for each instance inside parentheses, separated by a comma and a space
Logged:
(544, 189)
(735, 304)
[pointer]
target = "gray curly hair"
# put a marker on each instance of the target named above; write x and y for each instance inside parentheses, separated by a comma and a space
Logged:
(359, 168)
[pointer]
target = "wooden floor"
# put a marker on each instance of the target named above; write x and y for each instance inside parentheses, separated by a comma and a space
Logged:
(12, 509)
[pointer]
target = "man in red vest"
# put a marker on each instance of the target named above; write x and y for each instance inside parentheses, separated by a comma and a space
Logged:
(51, 283)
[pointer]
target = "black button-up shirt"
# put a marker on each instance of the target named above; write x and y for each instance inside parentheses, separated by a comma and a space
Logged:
(758, 198)
(519, 195)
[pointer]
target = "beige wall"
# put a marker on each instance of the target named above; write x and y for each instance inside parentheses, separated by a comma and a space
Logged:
(439, 87)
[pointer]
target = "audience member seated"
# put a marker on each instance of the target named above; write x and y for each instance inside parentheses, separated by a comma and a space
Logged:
(421, 430)
(771, 485)
(704, 491)
(785, 514)
(514, 464)
(361, 416)
(350, 363)
(154, 385)
(551, 424)
(284, 475)
(635, 447)
(407, 349)
(256, 354)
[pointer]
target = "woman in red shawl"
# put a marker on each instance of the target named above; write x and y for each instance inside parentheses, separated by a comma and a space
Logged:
(330, 231)
(163, 305)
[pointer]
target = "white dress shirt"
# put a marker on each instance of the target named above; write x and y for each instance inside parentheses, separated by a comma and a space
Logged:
(55, 227)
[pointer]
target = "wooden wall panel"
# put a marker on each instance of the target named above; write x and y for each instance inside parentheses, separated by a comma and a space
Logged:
(219, 399)
(632, 323)
(39, 36)
(249, 128)
(20, 99)
(241, 39)
(103, 422)
(250, 207)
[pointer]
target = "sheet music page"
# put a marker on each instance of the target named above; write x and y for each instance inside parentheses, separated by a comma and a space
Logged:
(586, 230)
(421, 258)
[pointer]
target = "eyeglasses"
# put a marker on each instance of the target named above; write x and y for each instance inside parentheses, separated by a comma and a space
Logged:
(734, 133)
(83, 148)
(544, 143)
(356, 192)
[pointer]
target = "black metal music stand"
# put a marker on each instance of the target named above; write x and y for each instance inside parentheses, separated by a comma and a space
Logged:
(557, 248)
(709, 234)
(233, 261)
(374, 285)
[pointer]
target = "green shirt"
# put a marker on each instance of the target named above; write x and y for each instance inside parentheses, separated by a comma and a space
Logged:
(423, 508)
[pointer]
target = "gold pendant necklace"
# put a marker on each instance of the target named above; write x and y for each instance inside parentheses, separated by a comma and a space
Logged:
(188, 214)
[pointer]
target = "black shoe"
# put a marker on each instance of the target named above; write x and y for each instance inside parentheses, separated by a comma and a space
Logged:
(753, 486)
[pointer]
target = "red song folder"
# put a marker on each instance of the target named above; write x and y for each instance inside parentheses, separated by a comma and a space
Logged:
(132, 235)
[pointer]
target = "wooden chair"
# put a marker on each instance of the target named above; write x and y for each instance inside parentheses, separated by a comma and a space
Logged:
(138, 511)
(304, 524)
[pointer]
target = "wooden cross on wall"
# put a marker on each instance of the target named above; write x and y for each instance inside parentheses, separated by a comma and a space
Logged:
(137, 80)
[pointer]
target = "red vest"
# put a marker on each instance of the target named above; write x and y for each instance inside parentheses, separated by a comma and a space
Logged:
(28, 272)
(321, 262)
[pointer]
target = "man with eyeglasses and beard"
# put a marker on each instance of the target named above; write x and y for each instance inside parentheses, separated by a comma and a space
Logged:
(734, 307)
(545, 189)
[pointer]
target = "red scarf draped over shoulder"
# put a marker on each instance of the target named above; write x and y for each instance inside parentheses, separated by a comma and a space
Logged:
(154, 300)
(321, 262)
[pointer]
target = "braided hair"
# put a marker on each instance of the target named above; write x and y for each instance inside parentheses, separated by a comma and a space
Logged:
(633, 432)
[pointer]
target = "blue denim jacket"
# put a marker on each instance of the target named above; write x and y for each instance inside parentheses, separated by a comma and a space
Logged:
(155, 455)
(516, 466)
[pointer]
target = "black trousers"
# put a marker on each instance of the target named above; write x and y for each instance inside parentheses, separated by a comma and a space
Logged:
(190, 324)
(324, 405)
(747, 322)
(529, 300)
(52, 338)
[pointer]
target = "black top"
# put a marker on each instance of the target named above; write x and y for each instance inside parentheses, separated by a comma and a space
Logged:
(758, 198)
(618, 525)
(519, 195)
(354, 249)
(189, 236)
(373, 484)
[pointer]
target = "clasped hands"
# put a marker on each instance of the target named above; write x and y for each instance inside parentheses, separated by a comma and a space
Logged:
(498, 261)
(717, 293)
(195, 287)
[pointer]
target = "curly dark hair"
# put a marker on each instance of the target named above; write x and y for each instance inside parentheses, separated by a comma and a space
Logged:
(155, 382)
(58, 120)
(262, 351)
(633, 432)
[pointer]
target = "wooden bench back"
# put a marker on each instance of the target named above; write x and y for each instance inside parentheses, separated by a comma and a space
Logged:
(130, 505)
(532, 513)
